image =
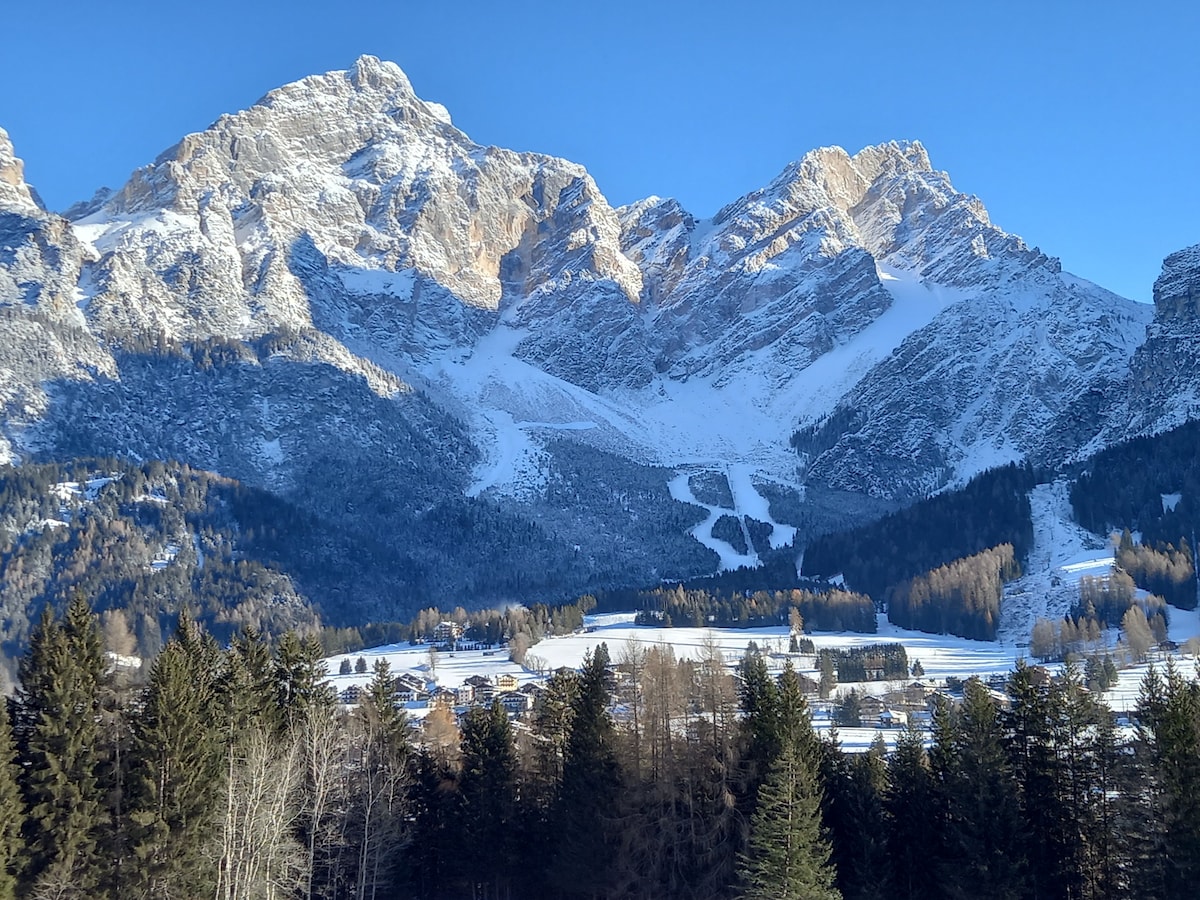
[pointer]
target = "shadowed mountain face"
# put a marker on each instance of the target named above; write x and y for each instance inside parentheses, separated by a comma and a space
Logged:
(335, 295)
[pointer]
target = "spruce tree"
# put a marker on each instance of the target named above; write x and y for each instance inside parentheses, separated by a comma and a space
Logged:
(911, 816)
(854, 816)
(1172, 725)
(982, 852)
(59, 735)
(1050, 835)
(11, 812)
(247, 686)
(758, 697)
(586, 848)
(786, 856)
(300, 678)
(380, 786)
(488, 799)
(176, 780)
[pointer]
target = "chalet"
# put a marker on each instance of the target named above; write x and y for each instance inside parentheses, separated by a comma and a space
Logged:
(1039, 676)
(408, 682)
(485, 693)
(808, 685)
(1000, 698)
(447, 632)
(907, 699)
(409, 694)
(478, 681)
(870, 709)
(506, 681)
(350, 696)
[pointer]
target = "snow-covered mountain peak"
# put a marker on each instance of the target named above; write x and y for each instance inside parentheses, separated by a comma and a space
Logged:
(15, 195)
(343, 199)
(318, 122)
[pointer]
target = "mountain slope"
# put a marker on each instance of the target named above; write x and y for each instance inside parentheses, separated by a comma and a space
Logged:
(337, 296)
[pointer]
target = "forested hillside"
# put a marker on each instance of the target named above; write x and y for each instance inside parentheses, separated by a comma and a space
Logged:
(940, 564)
(992, 509)
(1149, 485)
(144, 542)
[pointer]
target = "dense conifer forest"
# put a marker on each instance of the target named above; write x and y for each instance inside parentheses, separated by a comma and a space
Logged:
(816, 610)
(991, 510)
(234, 773)
(1149, 484)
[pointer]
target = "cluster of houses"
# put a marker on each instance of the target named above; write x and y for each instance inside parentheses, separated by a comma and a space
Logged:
(915, 702)
(416, 693)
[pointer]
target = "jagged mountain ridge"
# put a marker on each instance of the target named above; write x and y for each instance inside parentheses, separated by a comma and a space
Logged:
(472, 311)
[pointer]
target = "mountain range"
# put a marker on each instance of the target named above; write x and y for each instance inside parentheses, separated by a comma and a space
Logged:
(468, 360)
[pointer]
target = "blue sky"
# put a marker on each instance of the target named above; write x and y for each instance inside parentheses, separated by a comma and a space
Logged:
(1075, 122)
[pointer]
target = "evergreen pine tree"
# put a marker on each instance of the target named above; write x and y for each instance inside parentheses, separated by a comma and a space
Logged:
(911, 817)
(760, 725)
(488, 799)
(1175, 725)
(982, 855)
(854, 816)
(1141, 814)
(1039, 773)
(247, 686)
(300, 678)
(379, 797)
(587, 800)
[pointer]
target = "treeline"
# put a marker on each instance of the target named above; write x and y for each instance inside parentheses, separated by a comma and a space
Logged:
(992, 509)
(234, 774)
(1134, 485)
(519, 626)
(828, 610)
(881, 662)
(777, 573)
(1165, 570)
(961, 598)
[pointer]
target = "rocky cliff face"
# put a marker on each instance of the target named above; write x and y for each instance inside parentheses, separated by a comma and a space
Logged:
(44, 282)
(337, 295)
(1163, 385)
(351, 176)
